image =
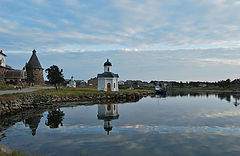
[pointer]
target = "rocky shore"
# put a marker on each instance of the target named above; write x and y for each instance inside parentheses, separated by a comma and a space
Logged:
(30, 101)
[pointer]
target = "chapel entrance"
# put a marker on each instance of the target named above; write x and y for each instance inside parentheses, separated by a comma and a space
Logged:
(108, 87)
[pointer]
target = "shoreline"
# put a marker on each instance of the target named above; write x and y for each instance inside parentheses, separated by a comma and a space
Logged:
(11, 103)
(35, 100)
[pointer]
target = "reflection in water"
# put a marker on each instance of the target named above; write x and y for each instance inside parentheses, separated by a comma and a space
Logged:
(31, 118)
(108, 113)
(54, 118)
(236, 97)
(33, 122)
(198, 125)
(228, 96)
(160, 96)
(2, 135)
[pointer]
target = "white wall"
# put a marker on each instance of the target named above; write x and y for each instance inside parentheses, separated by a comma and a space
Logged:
(106, 69)
(3, 60)
(102, 83)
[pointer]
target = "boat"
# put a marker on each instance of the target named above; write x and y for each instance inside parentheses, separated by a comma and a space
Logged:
(159, 90)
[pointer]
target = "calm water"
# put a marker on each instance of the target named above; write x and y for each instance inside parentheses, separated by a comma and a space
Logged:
(175, 125)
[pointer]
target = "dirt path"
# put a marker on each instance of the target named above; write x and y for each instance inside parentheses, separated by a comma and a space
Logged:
(24, 90)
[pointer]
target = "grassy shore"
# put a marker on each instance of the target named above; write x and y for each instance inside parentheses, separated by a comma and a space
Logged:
(79, 92)
(70, 92)
(17, 153)
(6, 87)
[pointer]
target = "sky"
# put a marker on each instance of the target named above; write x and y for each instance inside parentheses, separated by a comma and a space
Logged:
(182, 40)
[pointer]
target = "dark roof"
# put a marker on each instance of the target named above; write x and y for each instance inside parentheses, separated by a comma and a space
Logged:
(14, 74)
(107, 117)
(107, 74)
(1, 52)
(107, 63)
(7, 67)
(34, 62)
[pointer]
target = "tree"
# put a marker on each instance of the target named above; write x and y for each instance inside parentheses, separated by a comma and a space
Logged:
(54, 118)
(55, 75)
(30, 76)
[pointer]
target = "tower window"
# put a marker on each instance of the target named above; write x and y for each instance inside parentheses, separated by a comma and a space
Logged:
(108, 69)
(114, 85)
(109, 107)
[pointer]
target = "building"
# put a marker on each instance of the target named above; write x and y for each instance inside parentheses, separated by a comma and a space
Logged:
(16, 76)
(36, 69)
(108, 81)
(72, 83)
(9, 75)
(3, 67)
(2, 59)
(93, 81)
(81, 83)
(108, 113)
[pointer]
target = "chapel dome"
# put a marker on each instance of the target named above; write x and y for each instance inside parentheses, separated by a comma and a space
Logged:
(107, 63)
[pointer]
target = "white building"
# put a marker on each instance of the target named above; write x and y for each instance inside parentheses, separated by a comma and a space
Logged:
(108, 81)
(108, 113)
(72, 83)
(2, 59)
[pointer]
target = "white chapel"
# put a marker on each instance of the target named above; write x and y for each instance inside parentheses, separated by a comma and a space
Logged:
(108, 81)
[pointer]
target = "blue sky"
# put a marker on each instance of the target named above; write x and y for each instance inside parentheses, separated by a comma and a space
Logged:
(179, 40)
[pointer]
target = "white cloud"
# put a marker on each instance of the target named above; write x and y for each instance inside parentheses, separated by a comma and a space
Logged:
(39, 1)
(235, 62)
(229, 113)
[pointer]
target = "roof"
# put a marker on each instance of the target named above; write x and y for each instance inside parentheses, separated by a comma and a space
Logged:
(107, 63)
(107, 117)
(7, 67)
(14, 74)
(107, 74)
(34, 62)
(1, 52)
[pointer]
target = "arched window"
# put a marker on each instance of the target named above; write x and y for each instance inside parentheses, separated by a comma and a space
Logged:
(108, 69)
(109, 107)
(114, 85)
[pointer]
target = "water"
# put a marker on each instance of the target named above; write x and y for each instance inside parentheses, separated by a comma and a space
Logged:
(176, 125)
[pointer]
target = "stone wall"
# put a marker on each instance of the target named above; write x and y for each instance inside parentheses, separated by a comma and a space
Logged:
(2, 81)
(38, 76)
(30, 101)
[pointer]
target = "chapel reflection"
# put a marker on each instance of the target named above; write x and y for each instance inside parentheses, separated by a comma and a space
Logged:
(108, 113)
(54, 118)
(236, 98)
(32, 122)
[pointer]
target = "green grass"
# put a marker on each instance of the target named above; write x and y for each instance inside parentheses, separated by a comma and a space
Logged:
(70, 92)
(17, 153)
(6, 87)
(80, 92)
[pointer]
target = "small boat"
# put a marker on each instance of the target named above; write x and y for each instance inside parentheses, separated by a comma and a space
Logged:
(159, 90)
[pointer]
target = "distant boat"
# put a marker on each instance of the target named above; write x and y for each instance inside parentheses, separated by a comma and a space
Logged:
(159, 90)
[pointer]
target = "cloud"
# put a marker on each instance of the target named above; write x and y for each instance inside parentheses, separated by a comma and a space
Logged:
(228, 113)
(235, 62)
(125, 23)
(39, 1)
(180, 36)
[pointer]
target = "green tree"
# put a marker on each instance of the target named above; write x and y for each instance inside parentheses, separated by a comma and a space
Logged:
(54, 75)
(30, 76)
